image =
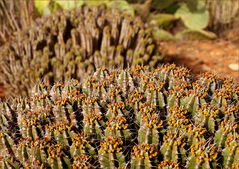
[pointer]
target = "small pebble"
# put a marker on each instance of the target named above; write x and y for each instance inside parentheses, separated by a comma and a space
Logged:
(234, 66)
(206, 68)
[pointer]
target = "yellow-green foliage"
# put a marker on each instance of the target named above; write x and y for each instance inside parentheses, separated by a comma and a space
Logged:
(124, 118)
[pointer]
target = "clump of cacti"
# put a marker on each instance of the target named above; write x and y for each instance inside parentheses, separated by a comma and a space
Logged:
(223, 14)
(124, 119)
(71, 44)
(15, 15)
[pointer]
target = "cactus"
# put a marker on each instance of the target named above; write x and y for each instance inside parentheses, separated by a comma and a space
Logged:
(15, 15)
(71, 44)
(133, 118)
(223, 14)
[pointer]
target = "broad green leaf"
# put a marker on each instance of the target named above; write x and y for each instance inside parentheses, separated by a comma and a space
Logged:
(53, 7)
(42, 6)
(162, 4)
(195, 35)
(194, 15)
(122, 5)
(161, 20)
(96, 2)
(163, 35)
(69, 4)
(172, 8)
(136, 1)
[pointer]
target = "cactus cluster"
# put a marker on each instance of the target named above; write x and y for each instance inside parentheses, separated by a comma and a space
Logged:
(223, 14)
(71, 44)
(15, 15)
(133, 118)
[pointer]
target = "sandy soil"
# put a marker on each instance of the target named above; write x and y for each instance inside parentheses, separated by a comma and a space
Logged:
(218, 56)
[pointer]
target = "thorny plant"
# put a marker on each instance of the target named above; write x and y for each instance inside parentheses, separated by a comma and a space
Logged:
(72, 44)
(125, 119)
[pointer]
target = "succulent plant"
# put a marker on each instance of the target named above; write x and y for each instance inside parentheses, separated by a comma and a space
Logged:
(133, 118)
(15, 15)
(224, 14)
(71, 44)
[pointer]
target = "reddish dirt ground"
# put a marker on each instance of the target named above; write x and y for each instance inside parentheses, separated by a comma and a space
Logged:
(217, 56)
(1, 91)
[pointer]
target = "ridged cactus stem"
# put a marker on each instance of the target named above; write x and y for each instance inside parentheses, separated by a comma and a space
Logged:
(231, 157)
